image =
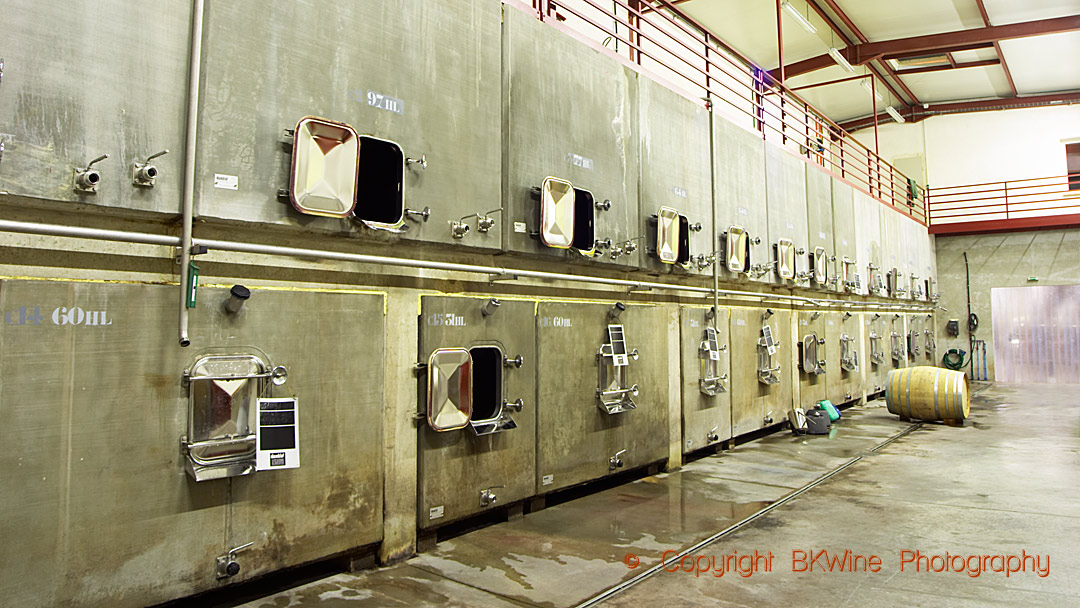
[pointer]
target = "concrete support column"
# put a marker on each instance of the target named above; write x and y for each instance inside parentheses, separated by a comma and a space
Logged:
(399, 427)
(674, 391)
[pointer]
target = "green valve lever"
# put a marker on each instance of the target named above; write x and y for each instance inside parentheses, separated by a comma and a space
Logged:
(193, 284)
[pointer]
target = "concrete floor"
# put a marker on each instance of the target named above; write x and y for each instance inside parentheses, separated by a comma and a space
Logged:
(1007, 482)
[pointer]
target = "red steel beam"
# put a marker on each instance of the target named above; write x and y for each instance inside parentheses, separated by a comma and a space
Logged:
(953, 66)
(862, 53)
(950, 49)
(991, 33)
(862, 38)
(1046, 222)
(997, 49)
(919, 113)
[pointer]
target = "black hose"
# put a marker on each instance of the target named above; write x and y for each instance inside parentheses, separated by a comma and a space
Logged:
(971, 327)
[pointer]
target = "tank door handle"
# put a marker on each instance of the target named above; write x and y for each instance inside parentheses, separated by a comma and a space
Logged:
(422, 161)
(514, 362)
(423, 215)
(514, 405)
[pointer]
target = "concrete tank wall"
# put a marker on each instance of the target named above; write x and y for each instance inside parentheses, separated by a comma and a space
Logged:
(94, 412)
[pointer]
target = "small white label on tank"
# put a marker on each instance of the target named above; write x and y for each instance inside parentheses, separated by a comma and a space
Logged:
(547, 480)
(740, 322)
(744, 211)
(821, 235)
(520, 227)
(226, 182)
(694, 323)
(790, 226)
(680, 192)
(435, 512)
(844, 241)
(580, 161)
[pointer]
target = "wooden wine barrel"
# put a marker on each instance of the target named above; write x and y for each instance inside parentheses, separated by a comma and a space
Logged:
(928, 393)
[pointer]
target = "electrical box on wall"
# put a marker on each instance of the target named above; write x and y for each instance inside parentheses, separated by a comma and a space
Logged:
(277, 428)
(953, 327)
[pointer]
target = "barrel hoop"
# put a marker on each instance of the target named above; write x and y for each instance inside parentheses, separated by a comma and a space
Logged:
(957, 401)
(937, 413)
(907, 390)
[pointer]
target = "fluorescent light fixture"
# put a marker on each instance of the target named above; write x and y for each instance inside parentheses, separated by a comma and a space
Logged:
(894, 63)
(840, 60)
(870, 89)
(797, 16)
(895, 115)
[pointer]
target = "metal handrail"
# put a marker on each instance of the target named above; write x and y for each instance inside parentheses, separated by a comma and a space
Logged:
(776, 110)
(1013, 199)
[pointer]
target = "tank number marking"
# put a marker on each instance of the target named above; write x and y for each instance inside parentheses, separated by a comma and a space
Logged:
(694, 323)
(580, 161)
(448, 319)
(61, 315)
(740, 322)
(435, 512)
(521, 228)
(680, 192)
(379, 101)
(744, 211)
(547, 480)
(555, 322)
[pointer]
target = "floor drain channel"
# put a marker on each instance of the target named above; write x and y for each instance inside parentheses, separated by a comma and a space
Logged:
(623, 586)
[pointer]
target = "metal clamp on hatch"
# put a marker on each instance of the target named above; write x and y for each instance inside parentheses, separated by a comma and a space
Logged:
(224, 393)
(735, 246)
(465, 388)
(711, 381)
(913, 343)
(565, 216)
(850, 272)
(897, 343)
(672, 237)
(849, 357)
(808, 355)
(768, 373)
(614, 393)
(877, 355)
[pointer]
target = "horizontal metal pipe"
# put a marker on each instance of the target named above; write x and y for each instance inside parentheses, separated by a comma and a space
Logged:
(322, 254)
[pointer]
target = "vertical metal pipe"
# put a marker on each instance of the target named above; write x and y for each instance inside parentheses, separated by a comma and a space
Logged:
(712, 197)
(188, 204)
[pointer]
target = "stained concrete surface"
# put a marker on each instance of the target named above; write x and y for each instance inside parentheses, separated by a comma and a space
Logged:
(1006, 482)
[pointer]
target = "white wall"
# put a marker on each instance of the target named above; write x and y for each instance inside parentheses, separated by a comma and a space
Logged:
(983, 147)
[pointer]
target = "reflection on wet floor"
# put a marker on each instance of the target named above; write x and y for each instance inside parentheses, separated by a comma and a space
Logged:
(567, 553)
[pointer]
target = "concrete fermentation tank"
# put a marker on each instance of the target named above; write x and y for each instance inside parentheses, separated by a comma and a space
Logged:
(785, 184)
(848, 359)
(570, 148)
(676, 183)
(820, 248)
(813, 357)
(162, 462)
(877, 344)
(761, 368)
(413, 158)
(706, 377)
(741, 212)
(477, 443)
(602, 390)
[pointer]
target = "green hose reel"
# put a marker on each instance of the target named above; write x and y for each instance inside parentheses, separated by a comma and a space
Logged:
(954, 359)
